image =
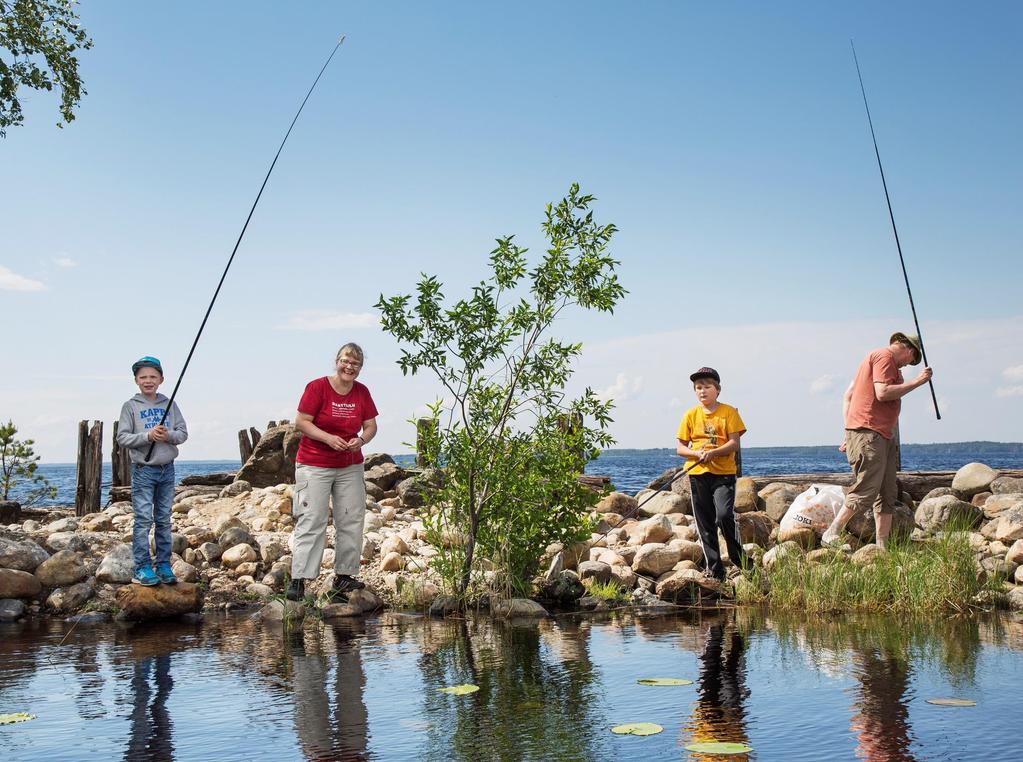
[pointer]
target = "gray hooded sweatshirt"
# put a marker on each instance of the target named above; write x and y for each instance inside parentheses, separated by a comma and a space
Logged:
(138, 416)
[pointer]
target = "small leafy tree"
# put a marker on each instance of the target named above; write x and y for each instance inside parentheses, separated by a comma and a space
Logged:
(38, 39)
(510, 441)
(18, 467)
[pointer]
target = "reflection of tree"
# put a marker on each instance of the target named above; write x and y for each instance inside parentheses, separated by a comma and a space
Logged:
(537, 695)
(150, 728)
(720, 714)
(327, 732)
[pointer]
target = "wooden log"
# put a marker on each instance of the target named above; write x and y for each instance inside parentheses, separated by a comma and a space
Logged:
(244, 446)
(120, 462)
(90, 464)
(255, 436)
(916, 483)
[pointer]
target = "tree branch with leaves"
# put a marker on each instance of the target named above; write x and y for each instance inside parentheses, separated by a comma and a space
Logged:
(510, 462)
(38, 42)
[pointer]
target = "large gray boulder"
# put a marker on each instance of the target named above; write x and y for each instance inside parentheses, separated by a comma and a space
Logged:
(936, 513)
(777, 497)
(973, 478)
(385, 475)
(68, 599)
(1007, 484)
(23, 556)
(273, 460)
(662, 503)
(1010, 526)
(18, 584)
(117, 566)
(61, 569)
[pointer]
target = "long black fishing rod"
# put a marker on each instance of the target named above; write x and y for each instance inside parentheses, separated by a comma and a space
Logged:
(891, 215)
(241, 235)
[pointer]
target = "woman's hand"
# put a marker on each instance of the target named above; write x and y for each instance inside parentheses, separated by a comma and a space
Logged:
(336, 443)
(355, 443)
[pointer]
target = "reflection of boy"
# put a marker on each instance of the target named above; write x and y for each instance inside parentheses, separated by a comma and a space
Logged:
(152, 479)
(708, 437)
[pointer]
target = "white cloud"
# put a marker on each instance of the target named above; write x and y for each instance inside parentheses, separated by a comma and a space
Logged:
(11, 281)
(1015, 373)
(622, 389)
(65, 262)
(329, 320)
(823, 384)
(1009, 391)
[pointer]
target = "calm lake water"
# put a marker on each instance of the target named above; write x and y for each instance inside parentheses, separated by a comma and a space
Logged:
(631, 470)
(231, 688)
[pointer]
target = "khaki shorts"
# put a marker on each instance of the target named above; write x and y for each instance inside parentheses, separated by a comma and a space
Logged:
(875, 464)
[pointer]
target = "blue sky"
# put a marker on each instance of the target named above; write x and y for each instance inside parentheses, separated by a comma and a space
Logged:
(728, 142)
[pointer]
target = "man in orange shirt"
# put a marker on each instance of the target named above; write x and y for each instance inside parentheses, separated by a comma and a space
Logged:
(871, 409)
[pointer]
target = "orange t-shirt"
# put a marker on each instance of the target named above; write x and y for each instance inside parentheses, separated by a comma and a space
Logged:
(865, 410)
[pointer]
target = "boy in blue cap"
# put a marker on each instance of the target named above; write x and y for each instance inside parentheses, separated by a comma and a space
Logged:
(152, 478)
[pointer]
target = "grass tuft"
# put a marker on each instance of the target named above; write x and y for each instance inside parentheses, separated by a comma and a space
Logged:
(938, 575)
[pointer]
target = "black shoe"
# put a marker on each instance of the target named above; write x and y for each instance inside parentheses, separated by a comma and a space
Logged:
(343, 585)
(296, 590)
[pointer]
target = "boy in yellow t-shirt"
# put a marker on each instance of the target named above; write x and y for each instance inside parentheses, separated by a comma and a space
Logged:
(708, 438)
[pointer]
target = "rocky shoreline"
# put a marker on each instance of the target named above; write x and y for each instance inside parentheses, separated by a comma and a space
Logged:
(231, 548)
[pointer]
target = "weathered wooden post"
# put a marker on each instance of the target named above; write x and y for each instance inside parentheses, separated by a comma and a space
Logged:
(244, 446)
(120, 462)
(255, 436)
(426, 434)
(572, 424)
(90, 465)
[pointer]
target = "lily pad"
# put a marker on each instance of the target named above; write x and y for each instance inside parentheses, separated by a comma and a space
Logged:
(10, 719)
(460, 690)
(637, 729)
(952, 702)
(664, 681)
(718, 747)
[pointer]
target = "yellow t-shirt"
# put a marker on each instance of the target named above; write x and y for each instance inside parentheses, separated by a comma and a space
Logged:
(700, 429)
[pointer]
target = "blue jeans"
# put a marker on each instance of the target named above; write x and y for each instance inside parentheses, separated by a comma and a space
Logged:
(152, 492)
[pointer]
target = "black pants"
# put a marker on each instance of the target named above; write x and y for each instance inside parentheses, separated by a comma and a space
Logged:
(713, 507)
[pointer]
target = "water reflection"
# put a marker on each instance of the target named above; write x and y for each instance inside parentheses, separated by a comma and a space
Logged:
(330, 714)
(720, 714)
(536, 700)
(792, 688)
(150, 735)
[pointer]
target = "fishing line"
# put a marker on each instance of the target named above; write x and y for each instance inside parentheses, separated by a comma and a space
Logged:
(891, 215)
(170, 402)
(625, 517)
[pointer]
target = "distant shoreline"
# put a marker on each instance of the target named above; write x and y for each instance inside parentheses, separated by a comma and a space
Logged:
(981, 447)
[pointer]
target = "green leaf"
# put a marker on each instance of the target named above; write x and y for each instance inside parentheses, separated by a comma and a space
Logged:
(460, 690)
(637, 729)
(718, 747)
(951, 702)
(10, 719)
(664, 681)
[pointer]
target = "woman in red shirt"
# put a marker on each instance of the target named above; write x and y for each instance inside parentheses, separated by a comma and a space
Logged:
(337, 418)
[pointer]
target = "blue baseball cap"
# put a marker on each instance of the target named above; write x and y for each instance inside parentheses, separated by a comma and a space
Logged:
(146, 362)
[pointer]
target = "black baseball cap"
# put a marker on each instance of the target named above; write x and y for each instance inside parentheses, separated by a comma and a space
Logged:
(706, 372)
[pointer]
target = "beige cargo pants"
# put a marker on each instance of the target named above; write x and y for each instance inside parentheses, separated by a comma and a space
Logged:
(314, 488)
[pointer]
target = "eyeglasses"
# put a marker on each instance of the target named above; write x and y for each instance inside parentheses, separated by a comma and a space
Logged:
(350, 364)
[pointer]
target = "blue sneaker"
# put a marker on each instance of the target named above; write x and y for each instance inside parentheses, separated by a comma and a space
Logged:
(144, 575)
(166, 574)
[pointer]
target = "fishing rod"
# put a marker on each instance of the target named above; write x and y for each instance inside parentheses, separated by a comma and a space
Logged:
(891, 215)
(170, 402)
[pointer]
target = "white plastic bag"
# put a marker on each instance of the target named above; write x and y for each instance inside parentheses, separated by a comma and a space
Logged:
(815, 508)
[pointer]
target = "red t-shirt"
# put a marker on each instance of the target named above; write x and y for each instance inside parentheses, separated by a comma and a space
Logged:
(865, 410)
(338, 414)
